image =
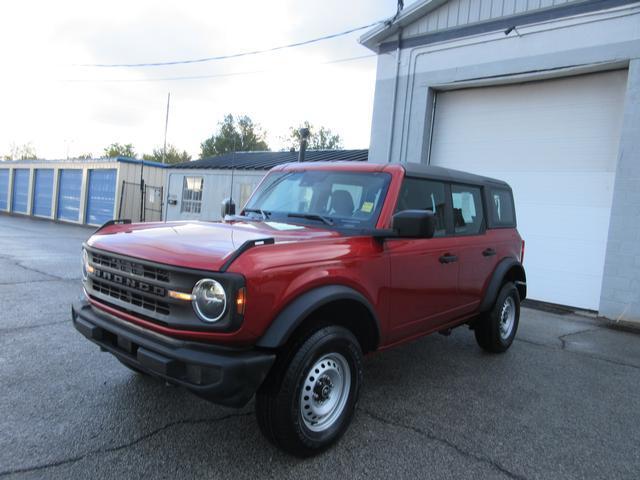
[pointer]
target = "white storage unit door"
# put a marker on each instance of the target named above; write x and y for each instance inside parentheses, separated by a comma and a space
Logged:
(555, 142)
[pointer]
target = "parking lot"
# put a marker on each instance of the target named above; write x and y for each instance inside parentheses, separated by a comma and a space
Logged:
(564, 402)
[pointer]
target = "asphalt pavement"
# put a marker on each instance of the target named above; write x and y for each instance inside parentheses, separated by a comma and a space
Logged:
(563, 402)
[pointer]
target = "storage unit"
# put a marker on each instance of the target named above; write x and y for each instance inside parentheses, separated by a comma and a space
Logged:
(4, 189)
(83, 191)
(42, 192)
(541, 95)
(20, 196)
(69, 192)
(101, 198)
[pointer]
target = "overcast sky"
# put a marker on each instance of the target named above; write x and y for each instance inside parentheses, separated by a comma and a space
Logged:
(64, 109)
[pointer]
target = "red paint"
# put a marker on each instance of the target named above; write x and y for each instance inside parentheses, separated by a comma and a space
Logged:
(411, 291)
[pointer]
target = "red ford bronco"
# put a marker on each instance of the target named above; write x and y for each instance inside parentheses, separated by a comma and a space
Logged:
(324, 264)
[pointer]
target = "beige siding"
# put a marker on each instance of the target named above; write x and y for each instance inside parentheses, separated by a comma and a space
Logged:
(456, 13)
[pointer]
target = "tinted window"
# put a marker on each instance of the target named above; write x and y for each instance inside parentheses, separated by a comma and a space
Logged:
(467, 209)
(418, 194)
(501, 208)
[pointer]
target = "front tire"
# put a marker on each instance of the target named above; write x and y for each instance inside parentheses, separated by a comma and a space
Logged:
(308, 400)
(496, 330)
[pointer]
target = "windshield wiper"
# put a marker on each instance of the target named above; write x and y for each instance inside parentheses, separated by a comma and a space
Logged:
(312, 216)
(265, 215)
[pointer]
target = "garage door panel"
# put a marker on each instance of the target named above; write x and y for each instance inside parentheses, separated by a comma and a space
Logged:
(555, 143)
(70, 188)
(101, 196)
(582, 286)
(4, 189)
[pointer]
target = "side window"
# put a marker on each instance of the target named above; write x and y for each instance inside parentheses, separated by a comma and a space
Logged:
(468, 218)
(501, 207)
(192, 194)
(418, 194)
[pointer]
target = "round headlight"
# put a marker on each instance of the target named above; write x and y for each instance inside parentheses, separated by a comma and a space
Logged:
(85, 264)
(209, 300)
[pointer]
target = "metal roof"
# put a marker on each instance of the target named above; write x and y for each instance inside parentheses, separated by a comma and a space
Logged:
(268, 160)
(80, 161)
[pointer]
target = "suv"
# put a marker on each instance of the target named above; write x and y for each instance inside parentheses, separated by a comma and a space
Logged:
(326, 262)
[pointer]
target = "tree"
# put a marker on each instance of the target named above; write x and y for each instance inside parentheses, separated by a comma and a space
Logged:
(243, 134)
(320, 138)
(119, 150)
(173, 155)
(85, 156)
(26, 151)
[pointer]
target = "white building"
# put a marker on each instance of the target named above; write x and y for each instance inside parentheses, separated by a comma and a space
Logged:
(545, 95)
(82, 191)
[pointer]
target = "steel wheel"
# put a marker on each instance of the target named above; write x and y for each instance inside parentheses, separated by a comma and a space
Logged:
(507, 317)
(325, 392)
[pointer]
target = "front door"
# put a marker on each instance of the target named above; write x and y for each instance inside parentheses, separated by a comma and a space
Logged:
(424, 272)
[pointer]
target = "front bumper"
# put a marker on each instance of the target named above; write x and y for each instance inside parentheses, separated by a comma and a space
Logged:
(223, 375)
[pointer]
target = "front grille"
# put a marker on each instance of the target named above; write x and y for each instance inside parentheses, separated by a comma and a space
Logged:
(132, 298)
(132, 268)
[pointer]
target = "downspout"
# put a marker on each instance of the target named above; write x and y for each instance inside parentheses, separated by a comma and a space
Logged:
(395, 97)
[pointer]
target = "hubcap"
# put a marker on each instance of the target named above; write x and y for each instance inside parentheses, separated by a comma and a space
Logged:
(325, 392)
(507, 318)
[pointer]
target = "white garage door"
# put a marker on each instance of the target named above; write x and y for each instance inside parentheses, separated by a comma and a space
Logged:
(555, 142)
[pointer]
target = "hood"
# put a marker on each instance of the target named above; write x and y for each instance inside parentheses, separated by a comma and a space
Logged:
(199, 245)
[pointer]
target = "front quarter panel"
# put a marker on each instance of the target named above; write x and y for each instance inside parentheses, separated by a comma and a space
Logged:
(278, 274)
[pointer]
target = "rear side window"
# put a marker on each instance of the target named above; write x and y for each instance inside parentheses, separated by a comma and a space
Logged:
(501, 208)
(418, 194)
(468, 217)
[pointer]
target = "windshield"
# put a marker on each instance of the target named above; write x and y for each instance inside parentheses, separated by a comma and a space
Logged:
(332, 198)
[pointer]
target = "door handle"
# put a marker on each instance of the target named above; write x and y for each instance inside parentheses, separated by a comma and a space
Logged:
(489, 252)
(447, 258)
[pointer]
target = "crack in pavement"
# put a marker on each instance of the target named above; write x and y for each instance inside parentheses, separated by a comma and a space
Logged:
(574, 352)
(135, 441)
(564, 342)
(29, 327)
(17, 263)
(443, 441)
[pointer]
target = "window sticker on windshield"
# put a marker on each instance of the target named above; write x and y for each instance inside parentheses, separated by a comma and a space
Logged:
(367, 207)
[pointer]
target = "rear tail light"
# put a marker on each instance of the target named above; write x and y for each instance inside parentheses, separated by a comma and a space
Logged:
(522, 252)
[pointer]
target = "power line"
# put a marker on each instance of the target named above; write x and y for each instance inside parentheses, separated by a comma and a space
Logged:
(203, 77)
(226, 57)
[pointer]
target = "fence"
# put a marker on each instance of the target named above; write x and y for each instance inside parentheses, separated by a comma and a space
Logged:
(140, 204)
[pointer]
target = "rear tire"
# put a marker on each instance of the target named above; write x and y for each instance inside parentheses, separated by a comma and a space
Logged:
(308, 400)
(496, 329)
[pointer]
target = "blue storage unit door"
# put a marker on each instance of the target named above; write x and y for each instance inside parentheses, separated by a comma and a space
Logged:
(69, 195)
(20, 190)
(42, 192)
(101, 196)
(4, 189)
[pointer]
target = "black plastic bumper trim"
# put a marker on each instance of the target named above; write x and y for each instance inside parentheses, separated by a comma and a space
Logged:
(223, 375)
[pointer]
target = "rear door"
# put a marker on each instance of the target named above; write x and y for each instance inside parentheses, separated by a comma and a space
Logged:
(423, 283)
(477, 251)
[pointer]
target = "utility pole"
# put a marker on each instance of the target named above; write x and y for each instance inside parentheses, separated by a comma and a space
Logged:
(166, 125)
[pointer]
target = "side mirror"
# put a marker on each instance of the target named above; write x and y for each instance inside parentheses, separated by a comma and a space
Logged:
(228, 207)
(414, 224)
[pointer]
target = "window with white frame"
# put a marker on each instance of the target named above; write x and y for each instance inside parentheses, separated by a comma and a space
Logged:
(192, 194)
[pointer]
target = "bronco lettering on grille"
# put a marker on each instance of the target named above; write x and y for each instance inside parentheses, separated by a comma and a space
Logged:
(130, 282)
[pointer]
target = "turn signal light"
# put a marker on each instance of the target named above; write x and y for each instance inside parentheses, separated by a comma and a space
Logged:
(187, 297)
(241, 300)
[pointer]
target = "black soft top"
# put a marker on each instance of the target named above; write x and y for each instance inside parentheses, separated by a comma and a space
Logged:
(450, 175)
